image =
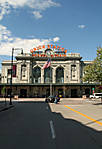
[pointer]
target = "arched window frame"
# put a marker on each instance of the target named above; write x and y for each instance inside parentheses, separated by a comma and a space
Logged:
(48, 79)
(61, 79)
(36, 79)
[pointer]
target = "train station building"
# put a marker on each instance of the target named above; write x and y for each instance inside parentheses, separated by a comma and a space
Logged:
(62, 77)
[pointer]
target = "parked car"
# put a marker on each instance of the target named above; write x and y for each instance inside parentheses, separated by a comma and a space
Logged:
(52, 99)
(96, 95)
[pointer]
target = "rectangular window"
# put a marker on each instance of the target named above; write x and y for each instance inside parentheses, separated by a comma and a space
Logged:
(9, 71)
(73, 71)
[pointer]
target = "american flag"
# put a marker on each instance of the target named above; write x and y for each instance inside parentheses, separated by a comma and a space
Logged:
(47, 64)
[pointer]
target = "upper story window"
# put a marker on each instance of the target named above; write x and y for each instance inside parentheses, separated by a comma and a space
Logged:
(60, 75)
(48, 75)
(37, 75)
(23, 71)
(13, 71)
(73, 71)
(9, 71)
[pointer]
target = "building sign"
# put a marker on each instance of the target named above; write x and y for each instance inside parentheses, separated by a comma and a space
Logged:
(49, 50)
(14, 71)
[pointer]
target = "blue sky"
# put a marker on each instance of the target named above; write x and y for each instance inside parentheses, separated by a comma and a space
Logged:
(73, 24)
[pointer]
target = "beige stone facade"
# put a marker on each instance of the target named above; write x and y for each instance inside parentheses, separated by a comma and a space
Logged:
(63, 77)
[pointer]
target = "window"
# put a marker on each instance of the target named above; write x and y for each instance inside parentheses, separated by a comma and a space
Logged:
(48, 75)
(60, 75)
(9, 71)
(37, 75)
(23, 71)
(73, 71)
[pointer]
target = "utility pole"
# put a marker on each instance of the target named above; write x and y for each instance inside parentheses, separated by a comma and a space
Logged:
(11, 94)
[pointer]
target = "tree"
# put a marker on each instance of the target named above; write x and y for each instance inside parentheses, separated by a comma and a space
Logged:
(3, 92)
(93, 72)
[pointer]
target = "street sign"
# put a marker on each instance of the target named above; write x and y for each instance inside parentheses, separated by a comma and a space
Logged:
(93, 89)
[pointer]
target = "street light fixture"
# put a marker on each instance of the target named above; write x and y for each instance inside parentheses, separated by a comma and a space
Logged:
(13, 49)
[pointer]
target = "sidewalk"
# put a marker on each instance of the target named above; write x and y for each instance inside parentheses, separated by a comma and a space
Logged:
(4, 105)
(72, 101)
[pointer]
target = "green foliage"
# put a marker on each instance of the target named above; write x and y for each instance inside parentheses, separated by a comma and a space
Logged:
(3, 90)
(93, 72)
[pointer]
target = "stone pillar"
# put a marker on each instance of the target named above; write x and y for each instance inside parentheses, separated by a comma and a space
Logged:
(79, 73)
(42, 75)
(64, 88)
(19, 72)
(69, 73)
(66, 77)
(28, 71)
(54, 75)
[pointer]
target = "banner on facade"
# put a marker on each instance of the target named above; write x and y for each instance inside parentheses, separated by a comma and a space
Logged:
(42, 51)
(14, 71)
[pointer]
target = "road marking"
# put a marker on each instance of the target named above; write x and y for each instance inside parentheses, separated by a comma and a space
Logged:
(47, 107)
(52, 130)
(100, 123)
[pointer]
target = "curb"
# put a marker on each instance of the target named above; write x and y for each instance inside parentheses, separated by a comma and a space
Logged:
(6, 108)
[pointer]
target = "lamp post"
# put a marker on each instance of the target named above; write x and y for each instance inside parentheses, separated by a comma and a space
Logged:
(12, 72)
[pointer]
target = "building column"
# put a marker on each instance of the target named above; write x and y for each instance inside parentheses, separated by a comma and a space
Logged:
(19, 72)
(54, 75)
(28, 71)
(65, 75)
(42, 75)
(64, 91)
(78, 72)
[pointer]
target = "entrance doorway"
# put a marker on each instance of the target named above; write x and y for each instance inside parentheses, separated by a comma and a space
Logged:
(74, 93)
(23, 93)
(87, 92)
(47, 92)
(8, 92)
(60, 92)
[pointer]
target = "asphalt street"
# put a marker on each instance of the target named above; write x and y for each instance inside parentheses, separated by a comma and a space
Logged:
(36, 124)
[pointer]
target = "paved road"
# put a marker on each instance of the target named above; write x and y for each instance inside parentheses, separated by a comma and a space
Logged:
(45, 126)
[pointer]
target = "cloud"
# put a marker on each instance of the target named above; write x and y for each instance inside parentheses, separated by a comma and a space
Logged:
(36, 6)
(82, 26)
(56, 39)
(8, 42)
(37, 14)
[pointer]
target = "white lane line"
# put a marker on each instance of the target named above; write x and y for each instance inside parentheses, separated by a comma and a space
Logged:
(47, 108)
(52, 130)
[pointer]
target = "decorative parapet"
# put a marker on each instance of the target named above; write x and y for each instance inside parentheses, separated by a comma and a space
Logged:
(73, 54)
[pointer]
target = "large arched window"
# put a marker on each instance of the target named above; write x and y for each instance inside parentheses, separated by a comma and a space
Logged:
(60, 75)
(48, 75)
(37, 75)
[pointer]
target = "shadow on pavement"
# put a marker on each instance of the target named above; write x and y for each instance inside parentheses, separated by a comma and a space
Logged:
(97, 104)
(28, 126)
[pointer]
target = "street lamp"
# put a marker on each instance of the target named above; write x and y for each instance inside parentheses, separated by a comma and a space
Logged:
(13, 49)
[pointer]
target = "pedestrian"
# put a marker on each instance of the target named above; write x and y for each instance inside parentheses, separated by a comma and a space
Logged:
(56, 99)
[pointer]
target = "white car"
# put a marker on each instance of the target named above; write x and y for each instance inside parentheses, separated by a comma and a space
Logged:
(96, 95)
